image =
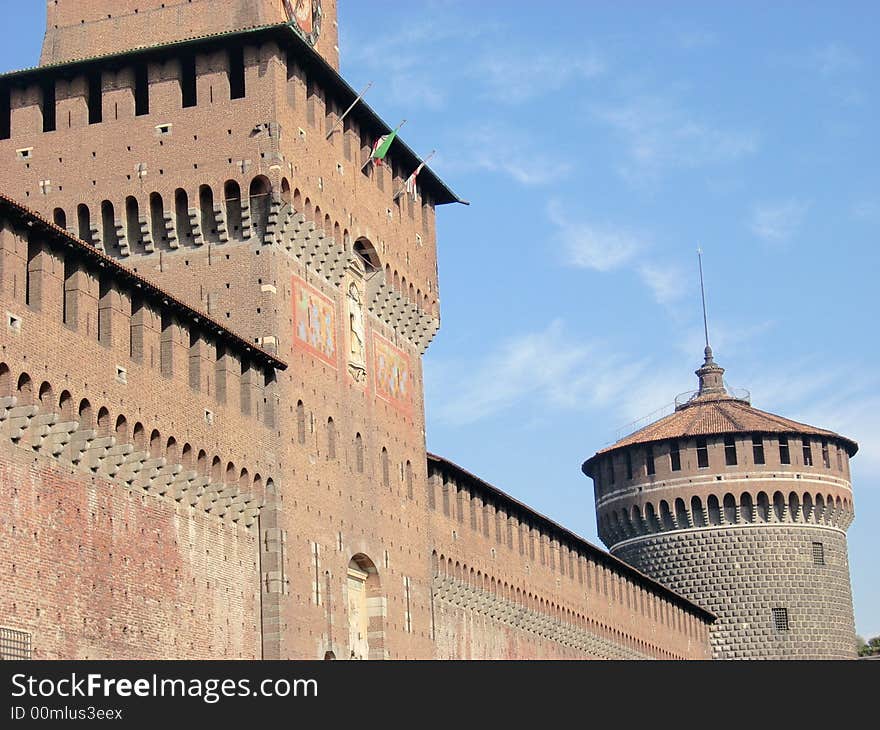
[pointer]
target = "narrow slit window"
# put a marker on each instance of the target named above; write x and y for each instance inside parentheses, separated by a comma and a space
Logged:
(141, 91)
(702, 453)
(188, 92)
(49, 106)
(674, 456)
(730, 451)
(649, 461)
(236, 73)
(784, 453)
(758, 449)
(826, 457)
(808, 452)
(839, 459)
(5, 114)
(95, 101)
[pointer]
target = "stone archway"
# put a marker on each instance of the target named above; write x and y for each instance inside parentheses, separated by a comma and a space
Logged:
(366, 610)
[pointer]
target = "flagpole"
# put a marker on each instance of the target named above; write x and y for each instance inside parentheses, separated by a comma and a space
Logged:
(394, 131)
(348, 111)
(421, 164)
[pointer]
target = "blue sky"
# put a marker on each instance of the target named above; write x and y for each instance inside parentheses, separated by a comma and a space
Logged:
(599, 144)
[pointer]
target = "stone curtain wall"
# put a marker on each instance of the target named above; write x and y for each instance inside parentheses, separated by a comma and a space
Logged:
(742, 574)
(472, 623)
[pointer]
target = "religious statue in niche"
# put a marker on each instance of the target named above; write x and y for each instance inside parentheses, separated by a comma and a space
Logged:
(357, 355)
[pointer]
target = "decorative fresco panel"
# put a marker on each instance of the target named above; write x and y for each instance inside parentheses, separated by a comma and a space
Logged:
(314, 322)
(393, 373)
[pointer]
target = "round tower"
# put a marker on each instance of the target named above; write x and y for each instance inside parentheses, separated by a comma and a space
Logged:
(742, 511)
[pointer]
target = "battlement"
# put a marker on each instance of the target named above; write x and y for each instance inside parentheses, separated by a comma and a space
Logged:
(168, 148)
(205, 436)
(484, 521)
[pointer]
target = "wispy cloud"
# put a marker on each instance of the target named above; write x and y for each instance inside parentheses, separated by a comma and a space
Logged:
(828, 396)
(664, 281)
(660, 135)
(594, 246)
(778, 222)
(398, 58)
(515, 78)
(547, 370)
(499, 148)
(604, 247)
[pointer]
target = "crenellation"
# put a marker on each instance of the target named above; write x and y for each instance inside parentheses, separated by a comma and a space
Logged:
(302, 498)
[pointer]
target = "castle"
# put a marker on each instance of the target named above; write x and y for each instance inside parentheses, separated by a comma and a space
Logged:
(212, 435)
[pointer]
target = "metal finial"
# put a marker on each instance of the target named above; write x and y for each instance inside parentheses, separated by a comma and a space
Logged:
(703, 294)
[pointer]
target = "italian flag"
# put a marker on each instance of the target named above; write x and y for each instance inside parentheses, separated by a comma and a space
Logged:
(383, 144)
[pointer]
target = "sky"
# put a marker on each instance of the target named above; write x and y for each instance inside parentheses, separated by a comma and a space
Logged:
(600, 144)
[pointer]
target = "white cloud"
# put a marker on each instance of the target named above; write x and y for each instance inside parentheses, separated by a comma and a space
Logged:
(659, 135)
(594, 246)
(826, 395)
(517, 78)
(547, 370)
(501, 149)
(778, 222)
(602, 247)
(666, 282)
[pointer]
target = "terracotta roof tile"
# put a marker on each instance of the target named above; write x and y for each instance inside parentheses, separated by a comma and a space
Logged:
(721, 415)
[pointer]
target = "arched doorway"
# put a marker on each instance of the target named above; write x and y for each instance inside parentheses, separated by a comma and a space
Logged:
(366, 627)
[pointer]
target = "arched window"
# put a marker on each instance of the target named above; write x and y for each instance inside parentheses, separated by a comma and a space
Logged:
(25, 390)
(666, 516)
(697, 512)
(207, 218)
(763, 507)
(359, 453)
(157, 220)
(746, 507)
(232, 196)
(182, 220)
(108, 229)
(714, 510)
(681, 515)
(779, 506)
(133, 224)
(59, 217)
(730, 508)
(367, 254)
(260, 192)
(84, 223)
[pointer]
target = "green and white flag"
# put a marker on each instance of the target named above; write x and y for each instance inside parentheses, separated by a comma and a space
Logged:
(383, 144)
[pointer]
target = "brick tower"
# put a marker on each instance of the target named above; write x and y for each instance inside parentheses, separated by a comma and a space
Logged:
(742, 511)
(212, 429)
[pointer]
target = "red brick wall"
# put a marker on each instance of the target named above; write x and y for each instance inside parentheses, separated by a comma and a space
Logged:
(96, 571)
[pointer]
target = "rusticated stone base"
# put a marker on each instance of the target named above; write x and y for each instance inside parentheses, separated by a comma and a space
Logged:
(742, 574)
